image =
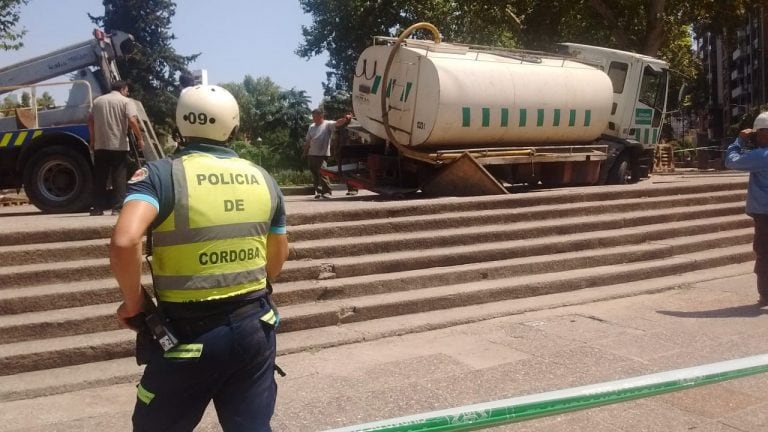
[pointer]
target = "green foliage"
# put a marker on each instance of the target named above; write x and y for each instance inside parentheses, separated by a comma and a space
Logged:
(345, 28)
(10, 35)
(336, 105)
(9, 104)
(273, 123)
(45, 101)
(153, 69)
(292, 177)
(661, 28)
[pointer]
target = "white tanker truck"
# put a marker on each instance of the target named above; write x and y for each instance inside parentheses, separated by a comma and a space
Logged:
(454, 119)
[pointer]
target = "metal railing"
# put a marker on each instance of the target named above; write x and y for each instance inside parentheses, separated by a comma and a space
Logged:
(33, 95)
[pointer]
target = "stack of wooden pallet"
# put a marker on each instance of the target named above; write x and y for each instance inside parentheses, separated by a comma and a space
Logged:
(664, 160)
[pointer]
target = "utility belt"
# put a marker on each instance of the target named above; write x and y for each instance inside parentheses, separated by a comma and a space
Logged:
(191, 328)
(155, 330)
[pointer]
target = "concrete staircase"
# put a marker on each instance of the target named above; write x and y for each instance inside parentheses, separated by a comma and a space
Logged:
(375, 271)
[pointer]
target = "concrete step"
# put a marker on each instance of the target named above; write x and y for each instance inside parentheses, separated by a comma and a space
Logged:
(395, 209)
(581, 255)
(18, 255)
(34, 235)
(100, 317)
(27, 385)
(356, 309)
(64, 351)
(322, 279)
(71, 272)
(410, 223)
(439, 236)
(569, 239)
(61, 296)
(58, 352)
(58, 323)
(90, 269)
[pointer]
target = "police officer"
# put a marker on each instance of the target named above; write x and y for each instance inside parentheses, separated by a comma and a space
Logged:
(750, 153)
(218, 230)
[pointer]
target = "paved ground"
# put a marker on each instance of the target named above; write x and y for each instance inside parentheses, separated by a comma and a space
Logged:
(490, 360)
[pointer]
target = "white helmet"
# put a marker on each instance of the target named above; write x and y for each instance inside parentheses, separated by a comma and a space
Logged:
(761, 121)
(207, 111)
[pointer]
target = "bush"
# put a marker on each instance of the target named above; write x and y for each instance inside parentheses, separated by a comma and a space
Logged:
(292, 177)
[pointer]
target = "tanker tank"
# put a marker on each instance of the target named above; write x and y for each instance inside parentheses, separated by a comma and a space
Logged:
(448, 96)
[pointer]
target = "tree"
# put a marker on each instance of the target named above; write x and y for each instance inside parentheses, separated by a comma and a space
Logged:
(337, 105)
(294, 115)
(10, 35)
(344, 28)
(153, 69)
(45, 101)
(9, 104)
(273, 122)
(26, 99)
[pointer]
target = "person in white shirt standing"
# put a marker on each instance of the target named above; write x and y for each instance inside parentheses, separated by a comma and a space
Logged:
(108, 123)
(317, 147)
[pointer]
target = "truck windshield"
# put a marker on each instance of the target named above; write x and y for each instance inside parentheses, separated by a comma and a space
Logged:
(653, 91)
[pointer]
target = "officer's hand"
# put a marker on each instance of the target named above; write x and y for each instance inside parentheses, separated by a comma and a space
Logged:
(744, 135)
(124, 316)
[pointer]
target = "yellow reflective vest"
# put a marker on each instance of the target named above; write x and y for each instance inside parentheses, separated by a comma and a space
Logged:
(213, 245)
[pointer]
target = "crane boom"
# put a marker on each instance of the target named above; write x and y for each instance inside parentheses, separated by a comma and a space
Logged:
(100, 52)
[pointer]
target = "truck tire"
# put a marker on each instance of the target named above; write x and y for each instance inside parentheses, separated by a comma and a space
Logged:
(58, 179)
(621, 170)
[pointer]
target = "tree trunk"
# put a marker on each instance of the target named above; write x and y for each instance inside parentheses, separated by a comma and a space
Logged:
(654, 35)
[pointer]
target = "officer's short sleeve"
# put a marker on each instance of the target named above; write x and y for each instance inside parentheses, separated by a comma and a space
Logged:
(147, 185)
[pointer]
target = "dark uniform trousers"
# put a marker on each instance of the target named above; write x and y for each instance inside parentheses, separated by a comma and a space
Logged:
(760, 246)
(235, 370)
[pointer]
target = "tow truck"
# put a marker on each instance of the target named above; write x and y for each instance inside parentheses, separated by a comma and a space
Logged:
(46, 152)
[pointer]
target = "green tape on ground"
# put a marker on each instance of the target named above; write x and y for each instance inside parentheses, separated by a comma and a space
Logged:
(474, 417)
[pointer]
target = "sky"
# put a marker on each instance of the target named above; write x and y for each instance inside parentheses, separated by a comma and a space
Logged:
(235, 38)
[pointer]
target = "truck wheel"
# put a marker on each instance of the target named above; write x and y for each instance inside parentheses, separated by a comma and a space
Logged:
(58, 179)
(621, 171)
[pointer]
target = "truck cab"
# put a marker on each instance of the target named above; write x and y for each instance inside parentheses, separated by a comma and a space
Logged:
(46, 151)
(640, 87)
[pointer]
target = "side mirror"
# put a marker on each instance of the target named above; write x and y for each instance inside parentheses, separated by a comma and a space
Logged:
(680, 94)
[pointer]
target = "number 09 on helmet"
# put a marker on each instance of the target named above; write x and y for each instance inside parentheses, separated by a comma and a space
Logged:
(208, 112)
